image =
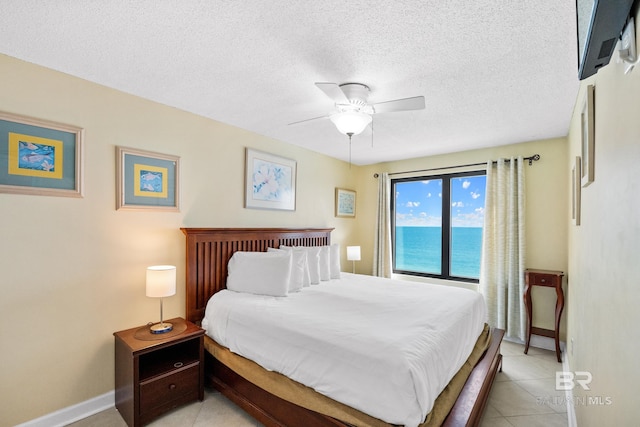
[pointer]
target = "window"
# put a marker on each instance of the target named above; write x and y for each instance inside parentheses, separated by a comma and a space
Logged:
(437, 225)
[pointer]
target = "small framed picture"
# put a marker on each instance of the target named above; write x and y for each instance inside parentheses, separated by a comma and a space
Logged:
(270, 181)
(345, 203)
(588, 137)
(40, 157)
(147, 180)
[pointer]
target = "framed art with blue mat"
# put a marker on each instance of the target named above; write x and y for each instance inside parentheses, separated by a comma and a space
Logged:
(147, 180)
(40, 157)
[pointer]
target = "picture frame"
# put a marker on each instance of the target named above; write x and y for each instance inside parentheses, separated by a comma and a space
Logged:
(40, 157)
(576, 191)
(345, 203)
(146, 180)
(588, 137)
(270, 181)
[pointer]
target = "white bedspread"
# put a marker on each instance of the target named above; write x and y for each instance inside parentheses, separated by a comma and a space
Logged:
(385, 347)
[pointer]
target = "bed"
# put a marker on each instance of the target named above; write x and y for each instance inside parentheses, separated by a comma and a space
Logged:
(276, 400)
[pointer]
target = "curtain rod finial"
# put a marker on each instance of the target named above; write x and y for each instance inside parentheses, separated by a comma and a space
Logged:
(534, 158)
(375, 175)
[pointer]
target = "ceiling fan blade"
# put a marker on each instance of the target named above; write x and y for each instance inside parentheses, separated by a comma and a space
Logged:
(405, 104)
(308, 120)
(333, 91)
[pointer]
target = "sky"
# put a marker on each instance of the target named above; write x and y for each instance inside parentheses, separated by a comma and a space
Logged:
(419, 203)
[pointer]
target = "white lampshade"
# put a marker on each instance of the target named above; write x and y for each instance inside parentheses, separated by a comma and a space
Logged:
(161, 281)
(353, 253)
(350, 122)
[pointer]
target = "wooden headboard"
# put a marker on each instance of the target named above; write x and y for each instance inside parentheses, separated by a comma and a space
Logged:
(209, 250)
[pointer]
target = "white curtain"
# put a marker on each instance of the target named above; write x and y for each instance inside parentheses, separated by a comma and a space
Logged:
(503, 247)
(382, 243)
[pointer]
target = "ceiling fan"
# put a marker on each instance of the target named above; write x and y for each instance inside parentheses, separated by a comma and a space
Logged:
(353, 113)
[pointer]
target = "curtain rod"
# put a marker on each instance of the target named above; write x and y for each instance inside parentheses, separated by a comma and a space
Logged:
(531, 159)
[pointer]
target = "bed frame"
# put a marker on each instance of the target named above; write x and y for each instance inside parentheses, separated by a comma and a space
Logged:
(208, 251)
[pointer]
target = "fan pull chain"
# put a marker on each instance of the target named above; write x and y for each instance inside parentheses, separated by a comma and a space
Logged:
(372, 120)
(350, 134)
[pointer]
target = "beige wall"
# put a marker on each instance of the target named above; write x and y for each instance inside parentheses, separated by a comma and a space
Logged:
(604, 290)
(72, 270)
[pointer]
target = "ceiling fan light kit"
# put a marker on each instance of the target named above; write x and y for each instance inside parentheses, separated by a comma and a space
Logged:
(350, 122)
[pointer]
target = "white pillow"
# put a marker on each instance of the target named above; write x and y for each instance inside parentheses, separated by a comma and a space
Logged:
(306, 275)
(313, 258)
(334, 260)
(298, 261)
(325, 264)
(262, 273)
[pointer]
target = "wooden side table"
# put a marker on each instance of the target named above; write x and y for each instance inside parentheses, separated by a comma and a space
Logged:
(551, 279)
(158, 372)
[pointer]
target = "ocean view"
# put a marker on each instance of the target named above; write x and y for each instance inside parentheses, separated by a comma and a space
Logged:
(418, 249)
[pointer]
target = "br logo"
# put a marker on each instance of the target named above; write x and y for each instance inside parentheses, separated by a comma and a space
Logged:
(567, 380)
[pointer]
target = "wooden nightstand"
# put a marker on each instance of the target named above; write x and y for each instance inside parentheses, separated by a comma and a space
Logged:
(158, 372)
(548, 278)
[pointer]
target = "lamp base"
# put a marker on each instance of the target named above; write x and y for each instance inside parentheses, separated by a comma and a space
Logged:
(160, 328)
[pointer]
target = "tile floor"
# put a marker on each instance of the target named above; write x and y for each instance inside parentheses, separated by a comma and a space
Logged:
(523, 395)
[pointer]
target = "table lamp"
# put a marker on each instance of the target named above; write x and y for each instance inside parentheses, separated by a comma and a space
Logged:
(353, 254)
(161, 282)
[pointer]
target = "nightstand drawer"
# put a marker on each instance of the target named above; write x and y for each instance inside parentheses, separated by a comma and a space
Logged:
(541, 279)
(167, 388)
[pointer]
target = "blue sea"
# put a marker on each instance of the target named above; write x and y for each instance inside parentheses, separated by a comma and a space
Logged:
(419, 249)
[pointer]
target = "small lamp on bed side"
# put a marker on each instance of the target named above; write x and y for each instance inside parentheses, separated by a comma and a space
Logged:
(161, 282)
(353, 254)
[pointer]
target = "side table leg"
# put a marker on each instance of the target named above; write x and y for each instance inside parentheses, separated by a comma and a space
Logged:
(527, 303)
(559, 308)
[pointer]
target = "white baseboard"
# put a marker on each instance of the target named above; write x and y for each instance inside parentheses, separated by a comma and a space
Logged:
(74, 413)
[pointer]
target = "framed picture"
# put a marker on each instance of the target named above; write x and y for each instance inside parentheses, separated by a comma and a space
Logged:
(40, 157)
(270, 181)
(147, 180)
(345, 203)
(576, 191)
(588, 137)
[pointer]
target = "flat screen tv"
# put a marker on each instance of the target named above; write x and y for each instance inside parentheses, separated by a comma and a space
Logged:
(600, 23)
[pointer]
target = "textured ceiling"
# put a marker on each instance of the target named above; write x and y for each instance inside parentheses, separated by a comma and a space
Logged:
(492, 72)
